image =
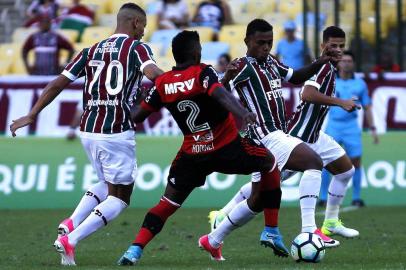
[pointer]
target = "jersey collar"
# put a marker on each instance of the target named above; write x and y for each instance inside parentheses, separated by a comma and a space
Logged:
(118, 35)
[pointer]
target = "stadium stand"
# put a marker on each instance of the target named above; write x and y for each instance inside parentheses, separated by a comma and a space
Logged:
(230, 37)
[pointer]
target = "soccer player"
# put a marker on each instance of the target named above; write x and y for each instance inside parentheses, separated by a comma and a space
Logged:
(201, 106)
(112, 67)
(318, 95)
(257, 78)
(344, 127)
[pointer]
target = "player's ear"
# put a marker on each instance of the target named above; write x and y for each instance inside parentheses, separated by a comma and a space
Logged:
(246, 40)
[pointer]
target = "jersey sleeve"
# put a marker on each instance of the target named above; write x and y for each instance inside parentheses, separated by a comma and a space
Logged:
(365, 99)
(76, 68)
(209, 79)
(144, 56)
(285, 71)
(152, 101)
(317, 79)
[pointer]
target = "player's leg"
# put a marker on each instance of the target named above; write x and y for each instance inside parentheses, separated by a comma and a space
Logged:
(181, 182)
(92, 197)
(118, 164)
(217, 216)
(250, 157)
(325, 182)
(339, 165)
(356, 182)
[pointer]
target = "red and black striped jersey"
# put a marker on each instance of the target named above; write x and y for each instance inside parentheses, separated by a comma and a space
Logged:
(113, 70)
(308, 118)
(259, 87)
(206, 125)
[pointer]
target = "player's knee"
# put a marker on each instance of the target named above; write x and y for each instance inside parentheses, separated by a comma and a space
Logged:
(345, 176)
(315, 162)
(269, 163)
(255, 202)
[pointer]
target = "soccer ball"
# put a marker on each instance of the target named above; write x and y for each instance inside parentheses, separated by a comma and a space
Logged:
(308, 247)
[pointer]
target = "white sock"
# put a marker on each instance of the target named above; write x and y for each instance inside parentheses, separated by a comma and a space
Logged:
(239, 216)
(336, 193)
(100, 216)
(309, 188)
(93, 196)
(243, 194)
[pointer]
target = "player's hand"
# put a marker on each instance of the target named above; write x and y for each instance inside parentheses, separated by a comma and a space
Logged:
(249, 119)
(231, 71)
(21, 122)
(329, 54)
(350, 105)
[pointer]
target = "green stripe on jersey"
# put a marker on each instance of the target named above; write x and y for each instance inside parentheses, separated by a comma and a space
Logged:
(302, 115)
(311, 123)
(110, 109)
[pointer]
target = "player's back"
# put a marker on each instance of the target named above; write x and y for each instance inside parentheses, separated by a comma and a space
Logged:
(206, 125)
(112, 69)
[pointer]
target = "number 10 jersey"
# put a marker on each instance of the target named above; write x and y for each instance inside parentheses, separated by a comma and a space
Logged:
(206, 125)
(113, 70)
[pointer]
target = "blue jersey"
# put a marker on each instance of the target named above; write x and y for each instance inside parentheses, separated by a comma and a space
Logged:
(345, 89)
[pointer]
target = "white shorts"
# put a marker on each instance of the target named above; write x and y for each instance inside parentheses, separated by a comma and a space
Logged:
(281, 146)
(112, 156)
(327, 148)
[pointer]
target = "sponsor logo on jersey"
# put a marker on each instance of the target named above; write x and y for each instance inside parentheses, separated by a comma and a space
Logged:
(207, 137)
(108, 47)
(274, 94)
(173, 88)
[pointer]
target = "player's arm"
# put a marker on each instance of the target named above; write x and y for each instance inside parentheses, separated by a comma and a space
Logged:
(228, 101)
(301, 75)
(216, 90)
(310, 93)
(152, 71)
(151, 103)
(50, 92)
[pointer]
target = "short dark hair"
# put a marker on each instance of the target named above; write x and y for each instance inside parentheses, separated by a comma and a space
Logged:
(184, 45)
(134, 7)
(333, 32)
(348, 52)
(258, 25)
(226, 56)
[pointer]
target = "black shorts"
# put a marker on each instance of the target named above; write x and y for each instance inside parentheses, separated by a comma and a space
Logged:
(241, 156)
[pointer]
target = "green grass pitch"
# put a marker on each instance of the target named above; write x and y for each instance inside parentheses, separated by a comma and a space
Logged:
(27, 237)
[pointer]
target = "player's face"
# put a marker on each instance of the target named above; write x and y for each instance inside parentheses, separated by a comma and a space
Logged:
(346, 64)
(139, 26)
(337, 45)
(259, 45)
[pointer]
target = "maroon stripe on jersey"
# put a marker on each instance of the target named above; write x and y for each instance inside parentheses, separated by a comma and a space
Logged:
(254, 101)
(86, 94)
(102, 110)
(117, 124)
(322, 73)
(330, 86)
(267, 88)
(142, 53)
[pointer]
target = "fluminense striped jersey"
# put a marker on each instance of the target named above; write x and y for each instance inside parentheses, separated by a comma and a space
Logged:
(308, 118)
(113, 70)
(259, 87)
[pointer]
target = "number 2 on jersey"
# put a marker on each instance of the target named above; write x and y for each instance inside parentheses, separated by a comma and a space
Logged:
(99, 67)
(194, 112)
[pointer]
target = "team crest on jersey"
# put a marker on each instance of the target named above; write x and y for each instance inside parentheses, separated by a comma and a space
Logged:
(206, 82)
